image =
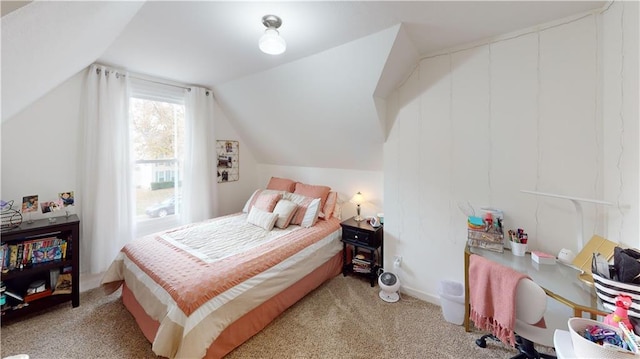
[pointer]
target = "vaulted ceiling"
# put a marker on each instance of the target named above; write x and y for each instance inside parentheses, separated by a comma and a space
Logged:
(319, 104)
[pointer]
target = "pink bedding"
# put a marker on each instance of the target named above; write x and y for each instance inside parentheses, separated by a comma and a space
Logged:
(196, 280)
(251, 323)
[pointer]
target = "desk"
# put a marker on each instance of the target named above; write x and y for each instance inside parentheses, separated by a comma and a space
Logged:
(560, 282)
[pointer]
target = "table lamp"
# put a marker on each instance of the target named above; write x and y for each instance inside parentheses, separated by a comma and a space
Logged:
(357, 199)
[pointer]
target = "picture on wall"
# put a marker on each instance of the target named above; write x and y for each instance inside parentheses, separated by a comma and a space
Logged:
(30, 203)
(228, 160)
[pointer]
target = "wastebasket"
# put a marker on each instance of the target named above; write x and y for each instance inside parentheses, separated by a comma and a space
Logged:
(452, 301)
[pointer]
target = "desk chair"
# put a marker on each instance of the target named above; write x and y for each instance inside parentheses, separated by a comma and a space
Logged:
(531, 304)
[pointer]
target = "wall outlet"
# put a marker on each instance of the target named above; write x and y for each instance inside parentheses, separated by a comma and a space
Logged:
(397, 260)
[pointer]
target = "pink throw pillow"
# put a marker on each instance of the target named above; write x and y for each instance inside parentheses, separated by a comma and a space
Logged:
(313, 191)
(301, 211)
(281, 184)
(267, 201)
(327, 210)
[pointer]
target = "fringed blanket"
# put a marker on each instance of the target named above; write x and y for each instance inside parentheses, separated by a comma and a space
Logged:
(492, 296)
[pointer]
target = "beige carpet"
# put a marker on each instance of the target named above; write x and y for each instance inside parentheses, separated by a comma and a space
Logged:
(344, 318)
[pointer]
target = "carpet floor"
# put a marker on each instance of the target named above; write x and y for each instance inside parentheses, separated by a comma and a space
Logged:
(343, 318)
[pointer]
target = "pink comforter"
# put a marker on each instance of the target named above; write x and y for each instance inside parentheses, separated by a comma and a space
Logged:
(197, 279)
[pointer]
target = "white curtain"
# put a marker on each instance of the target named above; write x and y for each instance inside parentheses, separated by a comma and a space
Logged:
(106, 186)
(199, 185)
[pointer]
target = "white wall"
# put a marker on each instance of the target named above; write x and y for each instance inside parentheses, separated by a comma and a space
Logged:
(39, 147)
(523, 111)
(619, 75)
(345, 182)
(233, 195)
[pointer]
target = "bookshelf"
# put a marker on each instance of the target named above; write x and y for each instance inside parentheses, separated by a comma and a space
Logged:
(34, 257)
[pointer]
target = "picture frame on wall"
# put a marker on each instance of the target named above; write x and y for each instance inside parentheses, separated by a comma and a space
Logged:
(228, 160)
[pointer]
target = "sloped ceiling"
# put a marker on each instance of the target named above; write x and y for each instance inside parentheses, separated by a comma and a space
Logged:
(307, 107)
(319, 104)
(45, 43)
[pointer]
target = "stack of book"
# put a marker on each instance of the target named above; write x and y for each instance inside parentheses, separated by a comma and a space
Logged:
(361, 264)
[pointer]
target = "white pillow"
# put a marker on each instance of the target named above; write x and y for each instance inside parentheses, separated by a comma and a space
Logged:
(285, 210)
(311, 216)
(337, 210)
(246, 205)
(262, 218)
(307, 207)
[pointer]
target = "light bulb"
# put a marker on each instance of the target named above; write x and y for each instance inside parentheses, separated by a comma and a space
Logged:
(272, 43)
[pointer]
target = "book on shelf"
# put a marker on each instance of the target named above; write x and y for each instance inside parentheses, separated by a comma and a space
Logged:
(13, 256)
(63, 286)
(20, 255)
(53, 277)
(361, 269)
(365, 271)
(3, 251)
(14, 295)
(360, 261)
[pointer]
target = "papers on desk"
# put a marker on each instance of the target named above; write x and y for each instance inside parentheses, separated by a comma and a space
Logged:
(543, 258)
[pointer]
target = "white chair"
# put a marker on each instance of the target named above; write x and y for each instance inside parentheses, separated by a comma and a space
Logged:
(531, 305)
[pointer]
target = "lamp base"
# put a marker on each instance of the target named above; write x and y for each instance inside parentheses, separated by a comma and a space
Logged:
(358, 218)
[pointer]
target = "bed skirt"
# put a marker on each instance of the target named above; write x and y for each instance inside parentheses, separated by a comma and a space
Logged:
(252, 322)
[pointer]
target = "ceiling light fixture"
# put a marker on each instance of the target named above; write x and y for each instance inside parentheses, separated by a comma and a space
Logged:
(271, 43)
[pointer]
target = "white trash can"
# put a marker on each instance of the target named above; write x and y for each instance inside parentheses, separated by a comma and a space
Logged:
(452, 301)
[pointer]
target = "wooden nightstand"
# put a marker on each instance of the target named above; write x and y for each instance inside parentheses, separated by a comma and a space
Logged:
(366, 241)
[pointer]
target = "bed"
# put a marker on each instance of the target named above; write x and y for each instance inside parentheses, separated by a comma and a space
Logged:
(201, 290)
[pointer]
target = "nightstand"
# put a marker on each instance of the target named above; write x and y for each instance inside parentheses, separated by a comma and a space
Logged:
(365, 240)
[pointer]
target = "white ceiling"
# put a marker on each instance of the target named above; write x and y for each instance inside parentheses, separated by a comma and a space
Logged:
(211, 42)
(339, 54)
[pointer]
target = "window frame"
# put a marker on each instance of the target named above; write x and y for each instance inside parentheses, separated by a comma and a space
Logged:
(152, 91)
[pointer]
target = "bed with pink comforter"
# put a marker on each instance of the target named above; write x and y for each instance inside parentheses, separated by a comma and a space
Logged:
(197, 282)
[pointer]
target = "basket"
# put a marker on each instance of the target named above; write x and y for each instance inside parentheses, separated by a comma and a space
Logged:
(607, 290)
(585, 348)
(10, 217)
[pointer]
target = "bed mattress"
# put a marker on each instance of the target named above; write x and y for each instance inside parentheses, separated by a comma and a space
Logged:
(196, 280)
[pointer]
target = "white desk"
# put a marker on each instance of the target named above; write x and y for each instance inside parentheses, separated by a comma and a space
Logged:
(560, 282)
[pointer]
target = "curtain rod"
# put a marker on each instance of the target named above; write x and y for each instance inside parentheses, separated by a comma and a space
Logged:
(155, 81)
(160, 82)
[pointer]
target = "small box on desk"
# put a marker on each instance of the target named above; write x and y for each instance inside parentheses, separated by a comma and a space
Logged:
(542, 258)
(491, 239)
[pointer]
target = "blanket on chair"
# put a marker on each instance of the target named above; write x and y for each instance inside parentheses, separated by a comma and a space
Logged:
(492, 297)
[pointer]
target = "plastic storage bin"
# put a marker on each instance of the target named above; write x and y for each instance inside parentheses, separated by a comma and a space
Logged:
(584, 348)
(452, 301)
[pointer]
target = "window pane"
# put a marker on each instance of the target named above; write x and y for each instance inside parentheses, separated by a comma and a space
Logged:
(158, 146)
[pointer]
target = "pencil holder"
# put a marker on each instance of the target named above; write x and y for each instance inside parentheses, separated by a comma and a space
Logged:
(518, 249)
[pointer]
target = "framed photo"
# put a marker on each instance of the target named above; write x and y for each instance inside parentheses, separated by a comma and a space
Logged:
(30, 204)
(51, 206)
(228, 160)
(67, 198)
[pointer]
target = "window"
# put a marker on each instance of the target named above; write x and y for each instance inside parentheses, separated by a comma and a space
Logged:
(157, 135)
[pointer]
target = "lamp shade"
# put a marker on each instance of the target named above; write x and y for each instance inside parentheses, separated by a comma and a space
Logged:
(357, 198)
(272, 43)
